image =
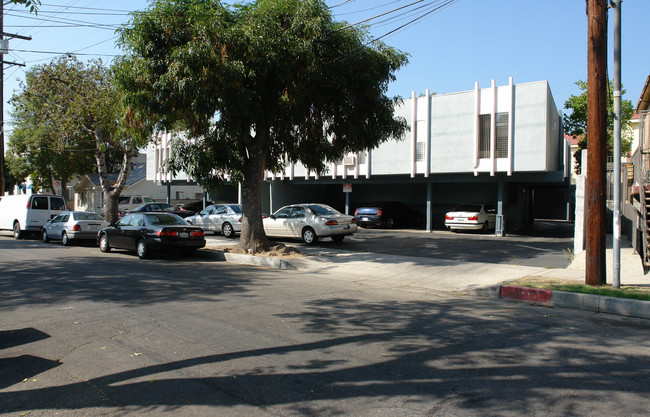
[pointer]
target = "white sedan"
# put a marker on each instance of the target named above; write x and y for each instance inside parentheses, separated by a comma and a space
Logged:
(309, 222)
(68, 226)
(472, 217)
(219, 218)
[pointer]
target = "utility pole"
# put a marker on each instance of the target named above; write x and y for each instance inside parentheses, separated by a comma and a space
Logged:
(595, 273)
(616, 244)
(2, 101)
(3, 50)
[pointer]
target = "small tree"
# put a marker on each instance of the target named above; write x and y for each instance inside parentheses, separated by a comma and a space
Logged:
(575, 123)
(258, 85)
(69, 105)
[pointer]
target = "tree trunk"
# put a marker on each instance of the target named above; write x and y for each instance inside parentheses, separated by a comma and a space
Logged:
(253, 239)
(110, 206)
(110, 191)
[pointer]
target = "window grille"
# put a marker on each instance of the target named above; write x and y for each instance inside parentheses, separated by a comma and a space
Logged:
(484, 124)
(502, 135)
(419, 151)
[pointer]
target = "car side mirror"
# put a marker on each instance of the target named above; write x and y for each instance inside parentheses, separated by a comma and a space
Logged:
(272, 216)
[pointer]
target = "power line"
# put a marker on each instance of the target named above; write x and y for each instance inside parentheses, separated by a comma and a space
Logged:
(61, 53)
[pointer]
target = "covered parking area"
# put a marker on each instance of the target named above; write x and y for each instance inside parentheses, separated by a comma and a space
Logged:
(520, 199)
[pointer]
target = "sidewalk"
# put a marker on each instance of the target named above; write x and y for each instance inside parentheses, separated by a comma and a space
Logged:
(484, 279)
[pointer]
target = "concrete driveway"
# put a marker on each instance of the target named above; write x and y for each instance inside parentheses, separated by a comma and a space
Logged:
(546, 244)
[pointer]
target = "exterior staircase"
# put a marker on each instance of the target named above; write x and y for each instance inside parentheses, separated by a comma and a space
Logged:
(645, 207)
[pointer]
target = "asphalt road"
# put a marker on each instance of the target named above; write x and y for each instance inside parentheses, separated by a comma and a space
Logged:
(546, 244)
(88, 333)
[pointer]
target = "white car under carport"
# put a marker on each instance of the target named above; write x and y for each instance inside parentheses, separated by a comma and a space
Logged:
(475, 216)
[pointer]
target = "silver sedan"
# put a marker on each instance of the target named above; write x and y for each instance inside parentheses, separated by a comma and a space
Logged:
(69, 226)
(310, 222)
(219, 218)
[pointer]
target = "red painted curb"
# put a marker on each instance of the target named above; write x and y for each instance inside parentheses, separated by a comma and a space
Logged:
(526, 294)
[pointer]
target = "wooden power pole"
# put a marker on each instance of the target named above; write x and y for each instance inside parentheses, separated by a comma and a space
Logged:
(596, 273)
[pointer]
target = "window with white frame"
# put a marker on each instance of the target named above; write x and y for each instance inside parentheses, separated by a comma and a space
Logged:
(485, 128)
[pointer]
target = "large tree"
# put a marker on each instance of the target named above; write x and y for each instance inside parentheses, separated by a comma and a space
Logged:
(74, 110)
(257, 86)
(575, 123)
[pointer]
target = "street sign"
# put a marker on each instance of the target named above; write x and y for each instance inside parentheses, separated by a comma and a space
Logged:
(347, 188)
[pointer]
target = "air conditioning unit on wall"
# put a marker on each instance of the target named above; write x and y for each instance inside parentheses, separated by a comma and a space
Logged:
(350, 160)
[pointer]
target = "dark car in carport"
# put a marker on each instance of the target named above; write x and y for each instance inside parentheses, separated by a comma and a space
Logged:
(387, 214)
(159, 208)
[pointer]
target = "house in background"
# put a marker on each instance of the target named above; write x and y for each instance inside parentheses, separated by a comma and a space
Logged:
(88, 195)
(636, 186)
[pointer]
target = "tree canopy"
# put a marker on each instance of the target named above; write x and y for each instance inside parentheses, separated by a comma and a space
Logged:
(256, 86)
(575, 123)
(39, 147)
(69, 116)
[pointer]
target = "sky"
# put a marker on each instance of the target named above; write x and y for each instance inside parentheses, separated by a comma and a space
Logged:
(451, 43)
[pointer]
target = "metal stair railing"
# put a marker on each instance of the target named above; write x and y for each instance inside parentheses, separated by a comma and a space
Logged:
(645, 202)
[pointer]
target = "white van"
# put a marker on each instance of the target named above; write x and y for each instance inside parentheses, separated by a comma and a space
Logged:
(28, 212)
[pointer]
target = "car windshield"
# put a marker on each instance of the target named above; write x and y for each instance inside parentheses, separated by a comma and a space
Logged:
(165, 220)
(87, 216)
(236, 208)
(148, 200)
(322, 209)
(469, 207)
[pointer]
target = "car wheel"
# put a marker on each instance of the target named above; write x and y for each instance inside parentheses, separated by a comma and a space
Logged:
(309, 236)
(103, 244)
(228, 230)
(189, 252)
(338, 238)
(486, 227)
(65, 240)
(18, 234)
(141, 248)
(390, 223)
(45, 237)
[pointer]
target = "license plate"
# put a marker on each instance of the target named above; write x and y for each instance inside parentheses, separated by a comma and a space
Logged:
(93, 227)
(364, 219)
(183, 234)
(347, 226)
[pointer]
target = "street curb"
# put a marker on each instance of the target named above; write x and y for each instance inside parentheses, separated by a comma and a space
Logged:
(243, 259)
(549, 298)
(534, 295)
(589, 302)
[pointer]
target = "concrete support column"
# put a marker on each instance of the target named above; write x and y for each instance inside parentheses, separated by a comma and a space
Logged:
(414, 131)
(429, 206)
(500, 230)
(493, 130)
